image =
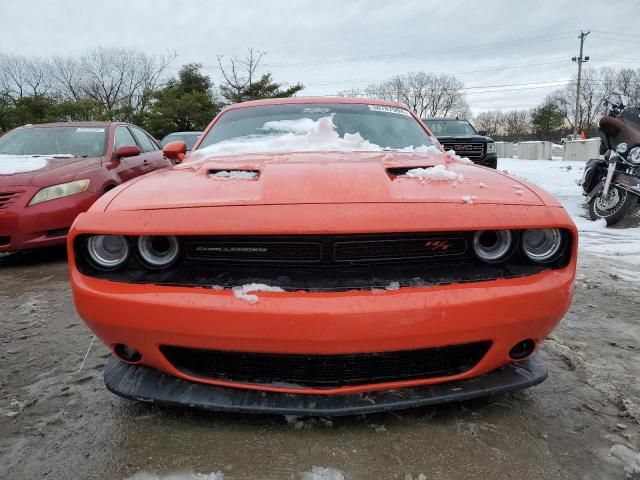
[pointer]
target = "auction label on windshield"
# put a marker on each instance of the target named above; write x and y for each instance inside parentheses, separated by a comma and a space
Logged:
(388, 109)
(316, 110)
(90, 130)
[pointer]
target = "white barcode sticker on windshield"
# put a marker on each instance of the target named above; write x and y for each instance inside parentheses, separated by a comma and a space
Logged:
(316, 110)
(388, 109)
(90, 130)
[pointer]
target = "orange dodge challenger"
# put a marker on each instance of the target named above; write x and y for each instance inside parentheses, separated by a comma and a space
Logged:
(321, 257)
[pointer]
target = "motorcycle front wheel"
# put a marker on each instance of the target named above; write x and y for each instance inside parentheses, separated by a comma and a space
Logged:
(612, 207)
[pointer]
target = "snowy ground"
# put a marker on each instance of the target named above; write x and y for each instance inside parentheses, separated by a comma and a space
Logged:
(58, 421)
(620, 245)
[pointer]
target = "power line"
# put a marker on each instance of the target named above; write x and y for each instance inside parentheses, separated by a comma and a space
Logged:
(433, 52)
(617, 34)
(382, 79)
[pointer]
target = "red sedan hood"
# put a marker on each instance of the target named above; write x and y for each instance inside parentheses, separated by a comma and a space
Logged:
(16, 170)
(319, 178)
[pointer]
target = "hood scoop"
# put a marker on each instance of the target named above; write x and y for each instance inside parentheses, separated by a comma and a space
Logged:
(402, 171)
(234, 174)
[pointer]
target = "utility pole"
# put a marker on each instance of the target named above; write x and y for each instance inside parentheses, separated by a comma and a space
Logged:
(580, 61)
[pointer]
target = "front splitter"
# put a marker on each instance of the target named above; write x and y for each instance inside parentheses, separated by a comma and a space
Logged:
(146, 384)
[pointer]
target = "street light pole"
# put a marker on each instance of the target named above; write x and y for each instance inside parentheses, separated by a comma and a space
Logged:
(580, 61)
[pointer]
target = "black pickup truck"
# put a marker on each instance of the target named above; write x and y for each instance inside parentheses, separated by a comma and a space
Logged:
(459, 135)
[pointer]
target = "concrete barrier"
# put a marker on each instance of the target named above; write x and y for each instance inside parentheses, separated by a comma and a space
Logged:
(504, 149)
(582, 149)
(556, 150)
(534, 150)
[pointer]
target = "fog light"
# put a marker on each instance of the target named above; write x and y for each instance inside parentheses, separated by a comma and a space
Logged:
(127, 353)
(522, 349)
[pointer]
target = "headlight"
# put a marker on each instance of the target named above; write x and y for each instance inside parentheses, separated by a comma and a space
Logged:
(108, 251)
(492, 245)
(59, 191)
(621, 148)
(491, 147)
(634, 156)
(541, 244)
(158, 251)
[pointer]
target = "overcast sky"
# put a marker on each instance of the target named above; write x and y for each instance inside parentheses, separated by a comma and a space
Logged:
(522, 47)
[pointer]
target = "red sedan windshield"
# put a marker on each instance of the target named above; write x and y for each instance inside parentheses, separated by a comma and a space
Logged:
(76, 141)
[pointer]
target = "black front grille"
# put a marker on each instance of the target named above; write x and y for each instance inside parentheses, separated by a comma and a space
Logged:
(325, 249)
(465, 149)
(243, 250)
(397, 249)
(7, 198)
(326, 371)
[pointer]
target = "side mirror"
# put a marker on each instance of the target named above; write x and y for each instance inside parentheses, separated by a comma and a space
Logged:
(483, 133)
(127, 151)
(175, 151)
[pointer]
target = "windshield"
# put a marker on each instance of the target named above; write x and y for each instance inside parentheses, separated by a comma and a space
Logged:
(450, 127)
(188, 138)
(319, 127)
(76, 141)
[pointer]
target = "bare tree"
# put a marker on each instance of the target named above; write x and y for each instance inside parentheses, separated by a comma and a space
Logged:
(517, 123)
(425, 93)
(121, 80)
(68, 77)
(240, 72)
(21, 76)
(509, 125)
(596, 85)
(491, 122)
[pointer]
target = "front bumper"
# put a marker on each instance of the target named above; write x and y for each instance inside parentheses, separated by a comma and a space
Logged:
(490, 160)
(146, 384)
(23, 227)
(504, 312)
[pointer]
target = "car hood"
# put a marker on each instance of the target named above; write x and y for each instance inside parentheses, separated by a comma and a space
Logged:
(318, 178)
(16, 170)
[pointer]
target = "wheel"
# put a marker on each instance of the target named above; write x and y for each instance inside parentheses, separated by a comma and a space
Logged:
(613, 207)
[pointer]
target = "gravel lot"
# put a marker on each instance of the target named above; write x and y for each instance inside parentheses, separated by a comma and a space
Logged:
(58, 422)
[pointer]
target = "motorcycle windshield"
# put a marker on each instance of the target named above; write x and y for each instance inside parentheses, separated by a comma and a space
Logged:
(631, 115)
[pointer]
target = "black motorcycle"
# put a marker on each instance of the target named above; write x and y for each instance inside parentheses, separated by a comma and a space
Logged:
(612, 185)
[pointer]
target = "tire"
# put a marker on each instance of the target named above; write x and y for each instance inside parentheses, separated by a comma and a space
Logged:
(620, 203)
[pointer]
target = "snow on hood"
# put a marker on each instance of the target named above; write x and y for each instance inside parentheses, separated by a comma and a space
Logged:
(235, 174)
(436, 173)
(12, 164)
(300, 135)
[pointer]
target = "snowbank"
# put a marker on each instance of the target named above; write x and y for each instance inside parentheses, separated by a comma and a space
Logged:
(12, 164)
(619, 246)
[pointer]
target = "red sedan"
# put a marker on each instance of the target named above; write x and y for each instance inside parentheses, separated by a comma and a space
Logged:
(50, 173)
